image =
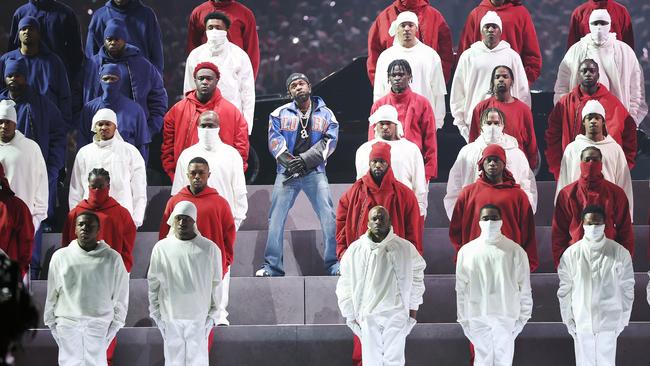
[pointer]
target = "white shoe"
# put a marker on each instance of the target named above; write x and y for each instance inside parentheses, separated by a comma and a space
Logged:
(262, 272)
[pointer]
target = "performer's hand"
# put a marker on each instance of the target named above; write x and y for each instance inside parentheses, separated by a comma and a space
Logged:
(354, 326)
(297, 165)
(571, 327)
(519, 326)
(55, 334)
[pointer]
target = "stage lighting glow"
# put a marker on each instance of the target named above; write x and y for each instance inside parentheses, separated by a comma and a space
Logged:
(295, 40)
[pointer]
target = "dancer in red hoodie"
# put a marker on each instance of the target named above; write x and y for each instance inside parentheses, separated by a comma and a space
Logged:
(16, 227)
(518, 30)
(621, 21)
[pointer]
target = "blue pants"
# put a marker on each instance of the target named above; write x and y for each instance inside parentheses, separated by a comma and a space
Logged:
(316, 187)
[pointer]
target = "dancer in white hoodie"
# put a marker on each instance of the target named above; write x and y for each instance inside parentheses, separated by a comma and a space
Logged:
(380, 290)
(493, 294)
(465, 169)
(596, 291)
(87, 296)
(471, 82)
(184, 288)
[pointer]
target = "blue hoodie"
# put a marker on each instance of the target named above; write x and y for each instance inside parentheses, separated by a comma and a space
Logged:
(142, 83)
(142, 27)
(60, 31)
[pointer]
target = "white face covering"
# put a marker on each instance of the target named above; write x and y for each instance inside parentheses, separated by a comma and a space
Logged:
(493, 133)
(490, 229)
(208, 137)
(594, 232)
(599, 33)
(216, 37)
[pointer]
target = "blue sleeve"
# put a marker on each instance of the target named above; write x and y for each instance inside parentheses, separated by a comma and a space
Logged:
(85, 135)
(156, 101)
(154, 37)
(277, 142)
(56, 153)
(13, 33)
(142, 135)
(92, 45)
(73, 48)
(64, 97)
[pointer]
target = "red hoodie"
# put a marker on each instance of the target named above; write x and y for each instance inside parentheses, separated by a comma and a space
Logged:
(516, 213)
(181, 122)
(565, 123)
(432, 31)
(242, 32)
(572, 199)
(621, 21)
(16, 226)
(213, 219)
(518, 30)
(116, 227)
(356, 202)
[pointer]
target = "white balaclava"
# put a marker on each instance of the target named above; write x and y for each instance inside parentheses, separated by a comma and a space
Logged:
(216, 39)
(491, 229)
(209, 137)
(492, 134)
(600, 33)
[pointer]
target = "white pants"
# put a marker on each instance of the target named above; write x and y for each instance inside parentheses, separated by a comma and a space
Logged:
(186, 343)
(82, 342)
(383, 338)
(222, 313)
(493, 340)
(595, 349)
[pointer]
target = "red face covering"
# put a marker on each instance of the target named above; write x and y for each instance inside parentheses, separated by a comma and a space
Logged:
(591, 171)
(98, 196)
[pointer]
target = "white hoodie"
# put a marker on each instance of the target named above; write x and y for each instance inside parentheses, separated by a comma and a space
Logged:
(471, 83)
(619, 68)
(596, 286)
(465, 170)
(428, 79)
(615, 167)
(390, 268)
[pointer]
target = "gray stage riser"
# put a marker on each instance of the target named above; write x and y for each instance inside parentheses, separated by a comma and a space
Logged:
(303, 258)
(540, 344)
(302, 217)
(311, 300)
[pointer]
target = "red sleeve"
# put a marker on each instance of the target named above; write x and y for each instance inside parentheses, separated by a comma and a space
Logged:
(468, 35)
(531, 146)
(412, 230)
(229, 235)
(374, 50)
(527, 227)
(371, 131)
(167, 147)
(195, 31)
(553, 138)
(624, 229)
(475, 125)
(627, 32)
(164, 228)
(341, 214)
(560, 235)
(574, 32)
(252, 43)
(25, 235)
(445, 48)
(67, 233)
(456, 222)
(128, 241)
(240, 140)
(629, 140)
(429, 143)
(531, 56)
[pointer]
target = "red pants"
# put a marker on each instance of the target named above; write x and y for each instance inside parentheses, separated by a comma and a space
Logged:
(356, 352)
(110, 350)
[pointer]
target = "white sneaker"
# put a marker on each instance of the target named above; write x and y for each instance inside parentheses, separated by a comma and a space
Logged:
(262, 272)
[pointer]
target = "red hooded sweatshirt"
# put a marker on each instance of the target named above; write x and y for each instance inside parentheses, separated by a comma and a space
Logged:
(416, 115)
(213, 219)
(621, 21)
(181, 124)
(516, 213)
(16, 226)
(116, 226)
(519, 124)
(354, 205)
(565, 123)
(242, 31)
(432, 31)
(590, 189)
(518, 30)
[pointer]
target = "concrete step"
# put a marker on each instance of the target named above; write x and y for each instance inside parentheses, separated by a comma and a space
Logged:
(302, 217)
(326, 345)
(311, 300)
(303, 251)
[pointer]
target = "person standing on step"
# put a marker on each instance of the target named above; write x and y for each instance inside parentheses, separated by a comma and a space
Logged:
(302, 135)
(494, 270)
(380, 290)
(87, 296)
(596, 291)
(184, 310)
(621, 21)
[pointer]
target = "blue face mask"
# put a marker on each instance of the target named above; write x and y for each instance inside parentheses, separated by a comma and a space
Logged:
(110, 91)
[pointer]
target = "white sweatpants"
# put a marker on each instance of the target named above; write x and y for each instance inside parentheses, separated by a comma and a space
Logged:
(222, 313)
(186, 343)
(82, 342)
(383, 338)
(595, 349)
(494, 343)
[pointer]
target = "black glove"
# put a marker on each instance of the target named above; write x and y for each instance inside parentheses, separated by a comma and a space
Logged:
(284, 159)
(297, 165)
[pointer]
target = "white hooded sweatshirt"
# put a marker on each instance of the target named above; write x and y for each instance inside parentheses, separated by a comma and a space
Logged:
(226, 171)
(465, 170)
(407, 164)
(619, 68)
(26, 172)
(428, 79)
(125, 167)
(236, 81)
(471, 83)
(87, 285)
(493, 280)
(615, 167)
(596, 286)
(378, 277)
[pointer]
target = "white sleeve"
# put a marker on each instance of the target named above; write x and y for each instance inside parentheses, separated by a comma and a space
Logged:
(215, 297)
(525, 292)
(121, 295)
(526, 179)
(344, 287)
(381, 79)
(439, 110)
(417, 287)
(521, 90)
(624, 179)
(188, 80)
(52, 297)
(458, 96)
(565, 291)
(564, 178)
(648, 290)
(438, 90)
(76, 193)
(627, 286)
(638, 106)
(240, 193)
(247, 89)
(138, 186)
(180, 176)
(462, 283)
(154, 277)
(454, 184)
(419, 183)
(563, 79)
(361, 162)
(41, 199)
